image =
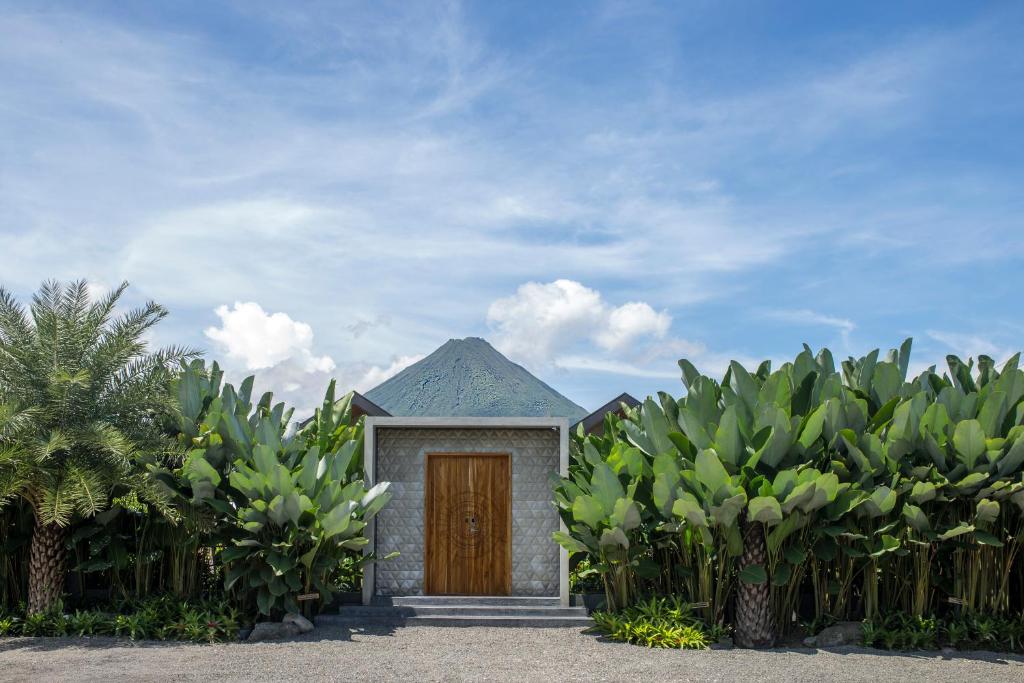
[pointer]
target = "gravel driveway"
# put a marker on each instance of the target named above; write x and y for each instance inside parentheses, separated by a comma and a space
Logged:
(474, 653)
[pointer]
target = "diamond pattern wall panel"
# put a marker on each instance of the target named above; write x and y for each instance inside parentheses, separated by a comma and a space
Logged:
(400, 460)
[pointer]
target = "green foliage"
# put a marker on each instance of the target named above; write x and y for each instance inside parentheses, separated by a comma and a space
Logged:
(657, 622)
(156, 618)
(82, 401)
(290, 509)
(80, 395)
(898, 631)
(583, 578)
(873, 488)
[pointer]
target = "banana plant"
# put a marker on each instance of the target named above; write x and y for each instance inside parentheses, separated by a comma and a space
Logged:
(296, 524)
(602, 516)
(289, 506)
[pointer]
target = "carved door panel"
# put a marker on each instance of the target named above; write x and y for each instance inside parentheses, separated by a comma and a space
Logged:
(468, 524)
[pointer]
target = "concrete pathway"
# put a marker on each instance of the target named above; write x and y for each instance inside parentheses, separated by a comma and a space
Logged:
(428, 653)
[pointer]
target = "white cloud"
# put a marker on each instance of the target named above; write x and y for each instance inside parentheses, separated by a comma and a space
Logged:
(276, 349)
(375, 374)
(541, 320)
(971, 345)
(260, 340)
(616, 367)
(631, 321)
(805, 316)
(280, 352)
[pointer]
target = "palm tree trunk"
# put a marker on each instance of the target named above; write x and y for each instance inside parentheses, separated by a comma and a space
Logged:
(46, 567)
(754, 623)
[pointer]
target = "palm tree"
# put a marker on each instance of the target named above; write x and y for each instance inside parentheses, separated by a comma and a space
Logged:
(81, 401)
(755, 627)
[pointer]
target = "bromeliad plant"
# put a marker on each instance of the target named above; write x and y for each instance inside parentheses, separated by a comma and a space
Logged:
(810, 492)
(290, 508)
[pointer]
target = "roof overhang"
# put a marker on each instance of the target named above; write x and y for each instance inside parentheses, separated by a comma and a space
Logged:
(469, 422)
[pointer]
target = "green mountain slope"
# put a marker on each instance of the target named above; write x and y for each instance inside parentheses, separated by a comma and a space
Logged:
(468, 377)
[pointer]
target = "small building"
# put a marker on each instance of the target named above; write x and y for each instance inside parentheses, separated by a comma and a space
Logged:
(471, 510)
(594, 423)
(363, 406)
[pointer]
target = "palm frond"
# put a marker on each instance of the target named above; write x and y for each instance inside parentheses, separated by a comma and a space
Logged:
(85, 489)
(56, 502)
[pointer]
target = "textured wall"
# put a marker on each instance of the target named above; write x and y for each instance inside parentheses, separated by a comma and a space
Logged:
(399, 459)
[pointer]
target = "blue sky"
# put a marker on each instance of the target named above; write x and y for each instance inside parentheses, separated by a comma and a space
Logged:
(334, 189)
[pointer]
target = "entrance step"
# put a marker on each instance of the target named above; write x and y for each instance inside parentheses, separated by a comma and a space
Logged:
(460, 611)
(449, 600)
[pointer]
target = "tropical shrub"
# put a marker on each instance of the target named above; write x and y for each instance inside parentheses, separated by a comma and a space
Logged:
(289, 509)
(656, 622)
(810, 492)
(80, 397)
(155, 618)
(900, 631)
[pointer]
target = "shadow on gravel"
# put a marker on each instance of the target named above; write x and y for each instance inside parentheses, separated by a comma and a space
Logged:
(339, 632)
(57, 644)
(973, 655)
(92, 642)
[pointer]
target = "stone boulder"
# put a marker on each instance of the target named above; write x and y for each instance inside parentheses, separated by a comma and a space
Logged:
(304, 624)
(272, 630)
(843, 633)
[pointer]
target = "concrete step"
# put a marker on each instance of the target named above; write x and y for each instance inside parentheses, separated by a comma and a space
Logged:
(477, 620)
(448, 600)
(461, 610)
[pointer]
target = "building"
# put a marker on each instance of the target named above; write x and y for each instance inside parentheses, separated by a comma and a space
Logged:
(471, 510)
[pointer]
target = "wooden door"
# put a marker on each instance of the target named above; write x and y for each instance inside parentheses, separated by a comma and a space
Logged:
(468, 524)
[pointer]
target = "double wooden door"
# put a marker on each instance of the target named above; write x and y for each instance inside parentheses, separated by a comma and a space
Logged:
(468, 524)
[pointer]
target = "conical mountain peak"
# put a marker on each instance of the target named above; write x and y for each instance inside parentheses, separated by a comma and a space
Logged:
(469, 377)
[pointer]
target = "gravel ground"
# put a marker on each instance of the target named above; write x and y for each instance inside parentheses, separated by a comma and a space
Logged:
(474, 653)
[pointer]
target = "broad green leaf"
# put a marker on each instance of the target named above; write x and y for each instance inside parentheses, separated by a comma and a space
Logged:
(812, 428)
(626, 514)
(571, 544)
(958, 530)
(782, 573)
(614, 538)
(889, 544)
(986, 538)
(691, 425)
(1010, 463)
(881, 502)
(795, 555)
(991, 415)
(728, 441)
(764, 509)
(725, 514)
(588, 510)
(969, 440)
(605, 487)
(688, 509)
(753, 574)
(626, 458)
(710, 472)
(656, 426)
(666, 479)
(916, 517)
(638, 438)
(923, 492)
(986, 511)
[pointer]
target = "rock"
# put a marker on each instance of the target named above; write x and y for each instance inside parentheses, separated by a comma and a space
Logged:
(810, 641)
(724, 643)
(304, 624)
(949, 651)
(271, 630)
(843, 633)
